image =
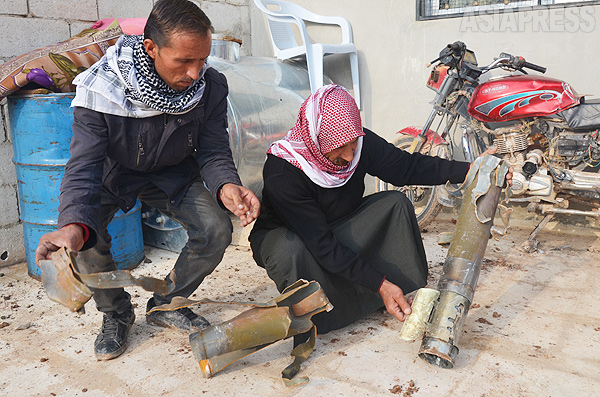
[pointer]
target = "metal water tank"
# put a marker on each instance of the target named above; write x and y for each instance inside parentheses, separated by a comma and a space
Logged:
(265, 96)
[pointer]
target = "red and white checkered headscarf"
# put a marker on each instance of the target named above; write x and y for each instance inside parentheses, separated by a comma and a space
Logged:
(328, 119)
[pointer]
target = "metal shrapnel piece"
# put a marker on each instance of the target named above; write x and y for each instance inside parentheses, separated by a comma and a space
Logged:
(64, 285)
(460, 276)
(439, 344)
(60, 282)
(289, 314)
(463, 262)
(415, 323)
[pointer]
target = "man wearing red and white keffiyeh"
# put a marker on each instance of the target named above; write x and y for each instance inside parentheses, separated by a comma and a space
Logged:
(328, 119)
(315, 223)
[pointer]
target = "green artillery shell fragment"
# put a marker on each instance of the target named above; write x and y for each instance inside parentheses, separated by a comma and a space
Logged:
(414, 325)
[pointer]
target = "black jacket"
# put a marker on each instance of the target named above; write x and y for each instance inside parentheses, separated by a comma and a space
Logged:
(123, 155)
(292, 200)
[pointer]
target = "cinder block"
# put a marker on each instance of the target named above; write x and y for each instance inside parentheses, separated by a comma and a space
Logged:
(260, 45)
(22, 35)
(77, 27)
(230, 20)
(5, 121)
(12, 246)
(226, 17)
(9, 214)
(13, 7)
(64, 9)
(124, 9)
(3, 132)
(8, 175)
(234, 2)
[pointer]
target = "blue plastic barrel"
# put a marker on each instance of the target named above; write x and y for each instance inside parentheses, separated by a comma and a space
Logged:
(41, 128)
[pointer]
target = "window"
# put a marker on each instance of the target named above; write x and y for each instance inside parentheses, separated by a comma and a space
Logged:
(434, 9)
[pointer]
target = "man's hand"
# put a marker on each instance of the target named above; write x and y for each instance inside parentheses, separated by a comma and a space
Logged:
(241, 202)
(70, 236)
(394, 300)
(492, 150)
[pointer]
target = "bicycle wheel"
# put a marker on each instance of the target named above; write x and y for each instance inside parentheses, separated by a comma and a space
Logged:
(423, 198)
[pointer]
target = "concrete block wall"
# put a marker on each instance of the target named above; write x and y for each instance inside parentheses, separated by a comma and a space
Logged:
(11, 233)
(26, 25)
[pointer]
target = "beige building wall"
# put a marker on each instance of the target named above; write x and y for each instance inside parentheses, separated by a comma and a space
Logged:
(394, 48)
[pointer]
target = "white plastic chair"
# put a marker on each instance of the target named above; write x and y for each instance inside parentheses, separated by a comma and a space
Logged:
(285, 45)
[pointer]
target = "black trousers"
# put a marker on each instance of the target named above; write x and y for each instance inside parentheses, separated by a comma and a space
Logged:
(383, 230)
(209, 233)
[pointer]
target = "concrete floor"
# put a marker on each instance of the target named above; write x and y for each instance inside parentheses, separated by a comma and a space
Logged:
(533, 330)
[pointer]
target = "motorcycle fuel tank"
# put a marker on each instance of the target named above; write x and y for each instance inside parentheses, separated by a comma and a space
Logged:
(515, 97)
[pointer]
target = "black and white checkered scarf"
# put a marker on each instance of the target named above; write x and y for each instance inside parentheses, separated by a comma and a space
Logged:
(125, 83)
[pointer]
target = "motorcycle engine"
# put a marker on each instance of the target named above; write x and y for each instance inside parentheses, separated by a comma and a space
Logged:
(572, 148)
(512, 144)
(530, 176)
(545, 155)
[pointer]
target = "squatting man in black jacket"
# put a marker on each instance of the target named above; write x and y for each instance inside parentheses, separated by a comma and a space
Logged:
(150, 123)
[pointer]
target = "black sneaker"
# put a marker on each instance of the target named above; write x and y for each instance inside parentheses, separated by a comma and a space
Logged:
(183, 319)
(112, 340)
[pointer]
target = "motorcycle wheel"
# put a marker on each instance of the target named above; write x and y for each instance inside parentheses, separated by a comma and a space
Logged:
(423, 198)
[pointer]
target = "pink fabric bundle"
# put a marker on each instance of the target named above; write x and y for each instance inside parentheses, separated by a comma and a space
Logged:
(128, 25)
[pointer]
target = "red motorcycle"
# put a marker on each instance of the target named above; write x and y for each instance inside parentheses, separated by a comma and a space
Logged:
(541, 126)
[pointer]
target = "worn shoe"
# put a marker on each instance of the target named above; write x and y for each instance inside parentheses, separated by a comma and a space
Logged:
(183, 319)
(112, 340)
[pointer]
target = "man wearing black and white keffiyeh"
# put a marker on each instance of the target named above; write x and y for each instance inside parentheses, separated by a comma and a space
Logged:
(150, 123)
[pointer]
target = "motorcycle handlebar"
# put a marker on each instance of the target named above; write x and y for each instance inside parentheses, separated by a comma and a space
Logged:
(535, 67)
(519, 62)
(457, 48)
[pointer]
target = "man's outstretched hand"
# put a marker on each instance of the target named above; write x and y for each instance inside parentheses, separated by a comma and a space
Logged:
(394, 300)
(241, 202)
(70, 236)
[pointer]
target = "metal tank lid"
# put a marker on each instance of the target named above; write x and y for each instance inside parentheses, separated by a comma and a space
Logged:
(226, 47)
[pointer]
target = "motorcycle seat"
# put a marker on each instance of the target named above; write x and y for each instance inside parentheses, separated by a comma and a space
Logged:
(585, 116)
